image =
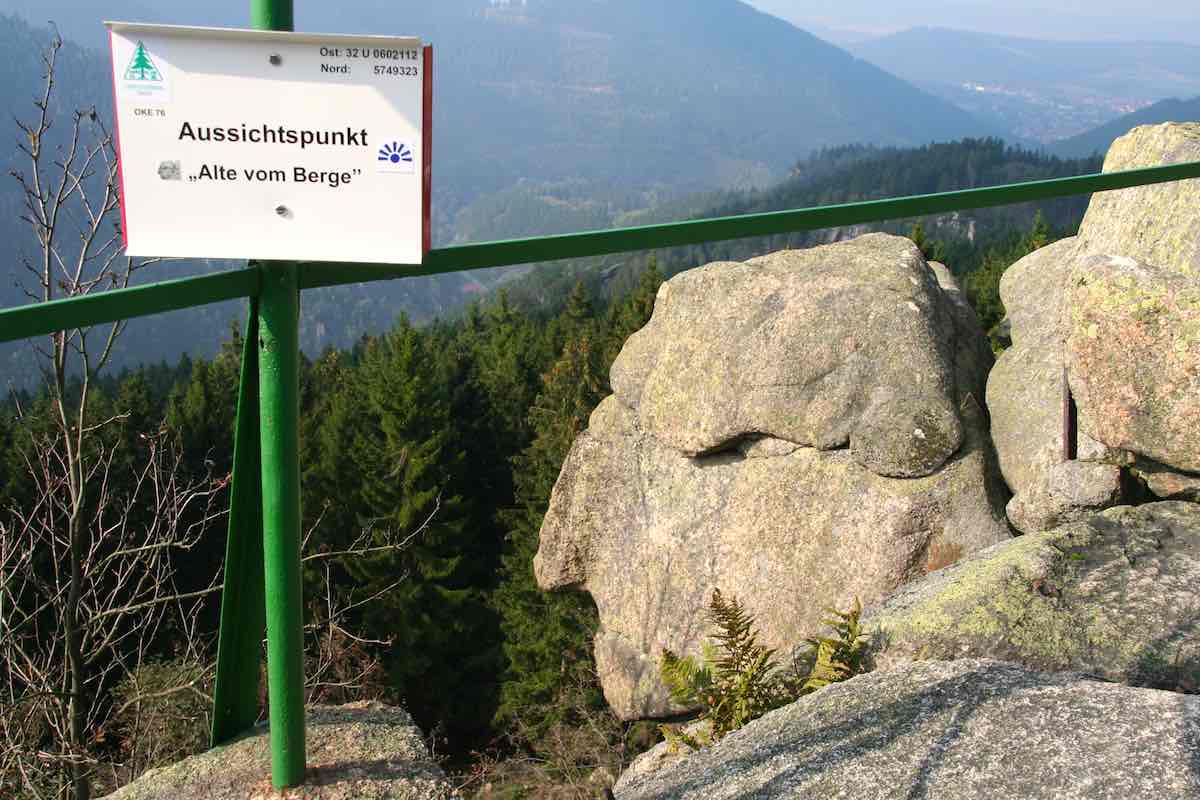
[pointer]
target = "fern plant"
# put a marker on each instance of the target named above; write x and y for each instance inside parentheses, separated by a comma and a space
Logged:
(830, 658)
(738, 680)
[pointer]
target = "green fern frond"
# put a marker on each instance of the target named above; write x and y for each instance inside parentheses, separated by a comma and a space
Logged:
(837, 657)
(735, 636)
(678, 737)
(689, 681)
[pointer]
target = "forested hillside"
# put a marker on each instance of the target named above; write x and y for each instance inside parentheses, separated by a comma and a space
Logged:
(20, 84)
(843, 175)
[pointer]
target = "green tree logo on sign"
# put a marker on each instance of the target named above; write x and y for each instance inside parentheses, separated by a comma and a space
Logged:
(141, 68)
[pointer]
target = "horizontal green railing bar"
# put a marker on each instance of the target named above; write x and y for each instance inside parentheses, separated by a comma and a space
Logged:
(35, 320)
(675, 234)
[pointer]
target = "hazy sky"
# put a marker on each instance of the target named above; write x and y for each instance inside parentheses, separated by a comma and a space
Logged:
(1154, 20)
(1162, 20)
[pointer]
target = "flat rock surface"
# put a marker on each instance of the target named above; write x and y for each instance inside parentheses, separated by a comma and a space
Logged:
(1114, 595)
(967, 730)
(359, 751)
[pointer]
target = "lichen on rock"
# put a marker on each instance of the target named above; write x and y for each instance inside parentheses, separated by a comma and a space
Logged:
(1114, 311)
(1112, 594)
(973, 729)
(1133, 355)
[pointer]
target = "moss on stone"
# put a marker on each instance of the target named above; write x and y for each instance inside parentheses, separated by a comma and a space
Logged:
(1072, 598)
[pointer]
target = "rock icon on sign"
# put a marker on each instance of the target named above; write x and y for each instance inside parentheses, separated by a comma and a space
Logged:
(170, 171)
(396, 157)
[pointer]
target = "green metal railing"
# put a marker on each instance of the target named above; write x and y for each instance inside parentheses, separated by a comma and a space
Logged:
(35, 320)
(262, 565)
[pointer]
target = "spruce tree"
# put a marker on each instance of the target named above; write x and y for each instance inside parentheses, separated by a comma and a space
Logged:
(392, 423)
(509, 351)
(630, 314)
(332, 474)
(547, 636)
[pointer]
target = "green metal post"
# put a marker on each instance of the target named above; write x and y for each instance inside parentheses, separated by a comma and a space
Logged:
(271, 15)
(279, 412)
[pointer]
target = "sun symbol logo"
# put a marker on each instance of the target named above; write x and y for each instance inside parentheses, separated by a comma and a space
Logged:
(395, 153)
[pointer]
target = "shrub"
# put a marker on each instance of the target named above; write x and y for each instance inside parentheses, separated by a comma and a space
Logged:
(162, 713)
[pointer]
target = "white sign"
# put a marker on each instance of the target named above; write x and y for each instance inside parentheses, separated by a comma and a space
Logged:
(268, 145)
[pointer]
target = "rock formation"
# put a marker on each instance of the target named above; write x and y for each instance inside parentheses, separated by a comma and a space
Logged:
(1116, 310)
(1025, 399)
(1095, 612)
(1156, 223)
(968, 730)
(359, 750)
(797, 430)
(849, 344)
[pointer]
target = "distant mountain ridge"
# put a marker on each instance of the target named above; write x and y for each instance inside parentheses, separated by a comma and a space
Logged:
(841, 175)
(1099, 139)
(667, 92)
(671, 92)
(1041, 90)
(928, 54)
(599, 108)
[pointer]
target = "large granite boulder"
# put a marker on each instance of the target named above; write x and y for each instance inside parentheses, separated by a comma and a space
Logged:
(650, 514)
(968, 730)
(1114, 595)
(1133, 354)
(1025, 399)
(355, 751)
(1158, 225)
(843, 344)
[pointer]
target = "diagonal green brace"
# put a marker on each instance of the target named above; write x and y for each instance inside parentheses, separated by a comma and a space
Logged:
(243, 603)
